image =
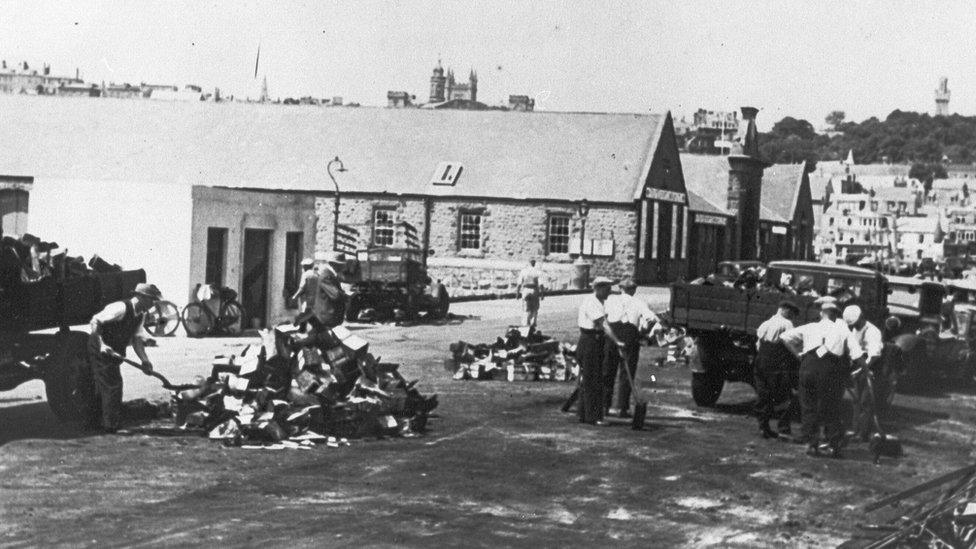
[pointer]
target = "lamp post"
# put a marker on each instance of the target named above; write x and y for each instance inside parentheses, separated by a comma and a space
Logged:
(583, 209)
(581, 269)
(335, 211)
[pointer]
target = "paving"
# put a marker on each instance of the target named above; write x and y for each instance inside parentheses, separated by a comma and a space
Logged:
(500, 466)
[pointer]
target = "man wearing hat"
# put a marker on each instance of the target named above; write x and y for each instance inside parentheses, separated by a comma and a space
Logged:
(113, 329)
(822, 347)
(329, 306)
(775, 369)
(869, 337)
(594, 331)
(529, 290)
(305, 294)
(629, 318)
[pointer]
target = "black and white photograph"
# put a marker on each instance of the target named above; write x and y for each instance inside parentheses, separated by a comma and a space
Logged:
(459, 273)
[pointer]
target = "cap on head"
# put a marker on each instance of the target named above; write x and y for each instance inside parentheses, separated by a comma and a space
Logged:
(334, 258)
(601, 281)
(308, 262)
(627, 283)
(148, 290)
(828, 303)
(787, 304)
(852, 314)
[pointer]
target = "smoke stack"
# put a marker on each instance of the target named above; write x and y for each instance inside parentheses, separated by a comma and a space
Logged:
(745, 186)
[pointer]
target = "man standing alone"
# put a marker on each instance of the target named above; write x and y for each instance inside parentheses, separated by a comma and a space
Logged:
(529, 290)
(329, 306)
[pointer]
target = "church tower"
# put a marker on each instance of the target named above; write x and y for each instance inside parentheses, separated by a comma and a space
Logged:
(437, 82)
(942, 97)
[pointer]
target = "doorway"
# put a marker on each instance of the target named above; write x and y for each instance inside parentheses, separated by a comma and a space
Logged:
(254, 287)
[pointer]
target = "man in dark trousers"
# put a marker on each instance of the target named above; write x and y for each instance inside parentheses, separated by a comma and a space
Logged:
(113, 329)
(775, 370)
(822, 347)
(330, 301)
(629, 317)
(594, 331)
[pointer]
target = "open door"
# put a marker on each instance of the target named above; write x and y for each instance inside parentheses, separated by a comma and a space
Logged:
(254, 287)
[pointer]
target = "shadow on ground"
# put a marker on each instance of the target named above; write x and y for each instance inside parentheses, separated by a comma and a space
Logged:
(34, 420)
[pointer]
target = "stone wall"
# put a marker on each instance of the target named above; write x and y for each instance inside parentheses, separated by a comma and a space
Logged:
(512, 233)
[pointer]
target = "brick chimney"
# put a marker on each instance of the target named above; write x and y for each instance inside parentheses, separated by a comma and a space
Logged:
(745, 187)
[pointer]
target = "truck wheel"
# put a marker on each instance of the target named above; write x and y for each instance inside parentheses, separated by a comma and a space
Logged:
(706, 387)
(63, 375)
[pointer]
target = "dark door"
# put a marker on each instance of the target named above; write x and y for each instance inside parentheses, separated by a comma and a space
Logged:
(254, 290)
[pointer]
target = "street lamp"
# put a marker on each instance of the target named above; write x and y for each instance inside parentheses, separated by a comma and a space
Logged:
(583, 209)
(335, 211)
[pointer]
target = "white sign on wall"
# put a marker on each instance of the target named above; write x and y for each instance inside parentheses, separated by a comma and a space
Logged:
(779, 229)
(666, 196)
(703, 219)
(592, 246)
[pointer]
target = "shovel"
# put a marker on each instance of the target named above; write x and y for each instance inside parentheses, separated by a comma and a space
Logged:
(881, 444)
(640, 406)
(166, 384)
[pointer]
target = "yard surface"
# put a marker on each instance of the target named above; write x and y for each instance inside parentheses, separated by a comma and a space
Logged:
(499, 466)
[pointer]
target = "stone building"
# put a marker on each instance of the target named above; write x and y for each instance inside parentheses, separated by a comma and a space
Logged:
(22, 79)
(230, 193)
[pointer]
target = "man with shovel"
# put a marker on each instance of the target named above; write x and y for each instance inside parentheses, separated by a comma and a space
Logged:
(113, 329)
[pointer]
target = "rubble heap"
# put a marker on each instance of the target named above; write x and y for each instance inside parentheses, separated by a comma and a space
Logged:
(295, 389)
(28, 259)
(523, 354)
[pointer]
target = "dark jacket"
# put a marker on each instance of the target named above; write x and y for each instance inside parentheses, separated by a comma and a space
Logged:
(330, 301)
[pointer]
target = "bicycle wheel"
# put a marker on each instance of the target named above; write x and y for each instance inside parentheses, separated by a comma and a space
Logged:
(162, 319)
(197, 320)
(231, 318)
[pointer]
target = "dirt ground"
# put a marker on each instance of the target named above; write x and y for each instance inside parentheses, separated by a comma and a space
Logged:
(500, 466)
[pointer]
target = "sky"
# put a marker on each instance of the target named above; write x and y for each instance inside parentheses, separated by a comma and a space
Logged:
(801, 59)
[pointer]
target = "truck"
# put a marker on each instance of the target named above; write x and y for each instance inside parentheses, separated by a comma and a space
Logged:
(36, 338)
(722, 320)
(392, 283)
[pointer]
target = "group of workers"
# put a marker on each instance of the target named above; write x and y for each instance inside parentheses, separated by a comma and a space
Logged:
(119, 325)
(809, 367)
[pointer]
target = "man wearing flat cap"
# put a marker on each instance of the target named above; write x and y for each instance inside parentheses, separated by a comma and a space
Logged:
(630, 318)
(113, 329)
(329, 307)
(775, 370)
(822, 347)
(594, 333)
(868, 366)
(307, 287)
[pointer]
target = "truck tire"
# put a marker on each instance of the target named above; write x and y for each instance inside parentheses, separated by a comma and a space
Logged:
(706, 387)
(62, 375)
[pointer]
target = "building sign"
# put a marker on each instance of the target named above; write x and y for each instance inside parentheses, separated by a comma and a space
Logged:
(666, 196)
(779, 229)
(702, 219)
(592, 247)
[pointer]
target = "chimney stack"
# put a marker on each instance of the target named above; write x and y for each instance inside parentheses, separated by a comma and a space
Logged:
(745, 187)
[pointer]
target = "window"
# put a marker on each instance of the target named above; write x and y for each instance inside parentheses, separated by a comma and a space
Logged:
(558, 236)
(383, 227)
(921, 238)
(216, 255)
(469, 235)
(293, 266)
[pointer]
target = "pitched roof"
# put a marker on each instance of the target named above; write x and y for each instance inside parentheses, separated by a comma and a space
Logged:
(708, 178)
(698, 204)
(567, 156)
(834, 167)
(818, 185)
(781, 188)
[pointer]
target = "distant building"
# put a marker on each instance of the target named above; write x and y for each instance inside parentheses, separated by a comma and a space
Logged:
(23, 79)
(942, 95)
(447, 93)
(123, 91)
(521, 103)
(399, 99)
(711, 131)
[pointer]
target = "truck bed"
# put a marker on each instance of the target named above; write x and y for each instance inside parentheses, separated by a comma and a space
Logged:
(699, 307)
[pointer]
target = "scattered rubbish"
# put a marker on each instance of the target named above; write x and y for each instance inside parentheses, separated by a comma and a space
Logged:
(297, 390)
(524, 354)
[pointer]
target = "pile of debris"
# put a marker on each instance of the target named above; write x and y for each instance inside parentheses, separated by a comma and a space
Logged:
(947, 520)
(523, 354)
(29, 259)
(296, 389)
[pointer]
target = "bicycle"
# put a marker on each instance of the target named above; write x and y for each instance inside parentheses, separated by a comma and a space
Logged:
(199, 319)
(162, 319)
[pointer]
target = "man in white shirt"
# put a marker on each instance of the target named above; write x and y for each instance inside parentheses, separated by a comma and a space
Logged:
(823, 347)
(305, 293)
(775, 370)
(594, 331)
(869, 337)
(629, 318)
(529, 290)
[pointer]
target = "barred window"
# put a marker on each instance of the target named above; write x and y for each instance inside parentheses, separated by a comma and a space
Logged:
(559, 234)
(383, 227)
(470, 233)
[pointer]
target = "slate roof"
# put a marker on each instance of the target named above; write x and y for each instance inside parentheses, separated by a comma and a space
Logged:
(698, 204)
(782, 184)
(540, 155)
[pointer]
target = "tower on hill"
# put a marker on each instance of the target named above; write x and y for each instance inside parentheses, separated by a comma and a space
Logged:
(942, 97)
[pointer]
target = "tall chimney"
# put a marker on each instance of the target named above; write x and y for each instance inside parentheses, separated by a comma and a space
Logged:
(745, 187)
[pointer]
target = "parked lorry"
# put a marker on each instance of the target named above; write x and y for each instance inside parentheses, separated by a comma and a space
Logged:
(392, 283)
(723, 320)
(36, 339)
